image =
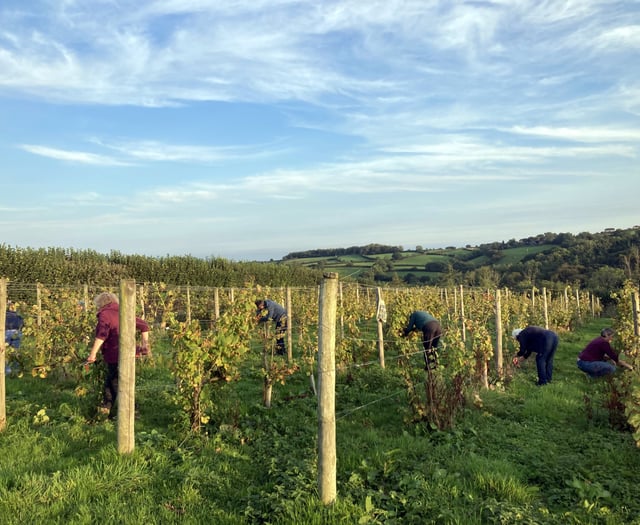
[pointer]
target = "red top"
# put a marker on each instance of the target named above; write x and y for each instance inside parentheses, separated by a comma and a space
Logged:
(597, 349)
(108, 329)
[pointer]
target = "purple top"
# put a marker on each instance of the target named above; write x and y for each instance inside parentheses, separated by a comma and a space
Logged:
(108, 329)
(597, 349)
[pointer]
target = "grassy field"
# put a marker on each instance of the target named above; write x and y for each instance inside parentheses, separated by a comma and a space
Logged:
(414, 262)
(524, 454)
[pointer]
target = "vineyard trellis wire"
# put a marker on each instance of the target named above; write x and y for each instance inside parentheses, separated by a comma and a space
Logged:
(59, 321)
(210, 330)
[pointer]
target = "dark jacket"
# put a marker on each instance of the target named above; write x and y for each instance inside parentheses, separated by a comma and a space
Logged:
(14, 321)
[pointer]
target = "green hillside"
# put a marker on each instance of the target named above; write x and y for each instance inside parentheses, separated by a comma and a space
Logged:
(599, 261)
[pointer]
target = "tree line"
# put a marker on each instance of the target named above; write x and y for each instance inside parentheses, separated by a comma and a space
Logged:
(600, 262)
(67, 266)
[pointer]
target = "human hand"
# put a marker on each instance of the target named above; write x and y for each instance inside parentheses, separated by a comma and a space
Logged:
(516, 361)
(626, 365)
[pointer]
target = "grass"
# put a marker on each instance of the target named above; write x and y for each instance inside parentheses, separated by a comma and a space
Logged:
(523, 455)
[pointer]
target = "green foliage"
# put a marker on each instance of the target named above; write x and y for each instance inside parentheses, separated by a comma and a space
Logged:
(57, 333)
(526, 455)
(202, 358)
(66, 266)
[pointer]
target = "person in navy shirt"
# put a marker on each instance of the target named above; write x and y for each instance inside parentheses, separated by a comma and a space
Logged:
(268, 310)
(542, 342)
(431, 332)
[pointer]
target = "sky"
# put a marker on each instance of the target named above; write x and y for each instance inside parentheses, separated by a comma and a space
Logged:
(250, 129)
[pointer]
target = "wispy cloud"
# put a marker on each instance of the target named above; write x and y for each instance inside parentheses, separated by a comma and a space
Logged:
(80, 157)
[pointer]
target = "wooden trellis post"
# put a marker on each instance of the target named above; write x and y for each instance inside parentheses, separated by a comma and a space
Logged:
(39, 303)
(635, 306)
(3, 385)
(216, 304)
(289, 308)
(462, 318)
(381, 317)
(127, 367)
(188, 304)
(546, 308)
(327, 306)
(498, 352)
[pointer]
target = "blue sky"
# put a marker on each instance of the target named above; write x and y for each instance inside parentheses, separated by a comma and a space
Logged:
(249, 129)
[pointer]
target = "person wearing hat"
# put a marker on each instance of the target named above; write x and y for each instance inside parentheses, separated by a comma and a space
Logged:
(598, 358)
(541, 341)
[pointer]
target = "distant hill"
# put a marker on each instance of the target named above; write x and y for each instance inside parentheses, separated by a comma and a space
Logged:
(600, 261)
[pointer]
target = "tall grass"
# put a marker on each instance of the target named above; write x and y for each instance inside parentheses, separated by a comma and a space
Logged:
(524, 454)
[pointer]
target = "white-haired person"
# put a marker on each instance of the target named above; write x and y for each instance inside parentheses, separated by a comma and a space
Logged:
(541, 341)
(599, 358)
(107, 339)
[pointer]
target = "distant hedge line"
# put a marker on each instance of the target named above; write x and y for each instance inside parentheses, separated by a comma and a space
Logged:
(64, 266)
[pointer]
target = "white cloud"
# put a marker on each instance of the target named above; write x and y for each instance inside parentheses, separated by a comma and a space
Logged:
(80, 157)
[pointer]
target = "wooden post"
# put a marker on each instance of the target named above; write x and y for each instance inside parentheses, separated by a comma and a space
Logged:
(188, 304)
(546, 308)
(578, 304)
(381, 317)
(39, 303)
(216, 303)
(288, 307)
(142, 305)
(462, 318)
(341, 311)
(498, 353)
(127, 367)
(85, 297)
(635, 306)
(3, 385)
(327, 306)
(267, 385)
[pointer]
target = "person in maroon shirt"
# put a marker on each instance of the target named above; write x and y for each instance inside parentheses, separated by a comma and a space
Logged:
(598, 356)
(107, 339)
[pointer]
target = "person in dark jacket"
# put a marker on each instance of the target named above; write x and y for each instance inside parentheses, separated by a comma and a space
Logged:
(268, 310)
(541, 341)
(107, 340)
(599, 358)
(13, 325)
(431, 332)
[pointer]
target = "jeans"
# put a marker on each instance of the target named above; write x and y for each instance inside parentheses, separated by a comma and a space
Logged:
(12, 337)
(544, 358)
(431, 333)
(596, 368)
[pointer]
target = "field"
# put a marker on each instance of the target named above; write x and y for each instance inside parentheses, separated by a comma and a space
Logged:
(518, 453)
(403, 263)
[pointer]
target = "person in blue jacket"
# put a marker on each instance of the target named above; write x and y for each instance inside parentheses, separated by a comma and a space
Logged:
(541, 341)
(270, 310)
(13, 328)
(431, 331)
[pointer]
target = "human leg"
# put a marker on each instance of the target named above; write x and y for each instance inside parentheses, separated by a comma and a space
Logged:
(541, 366)
(552, 346)
(110, 387)
(281, 332)
(596, 368)
(431, 333)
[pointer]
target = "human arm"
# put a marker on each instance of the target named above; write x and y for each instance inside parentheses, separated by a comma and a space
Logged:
(624, 364)
(410, 325)
(97, 344)
(143, 327)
